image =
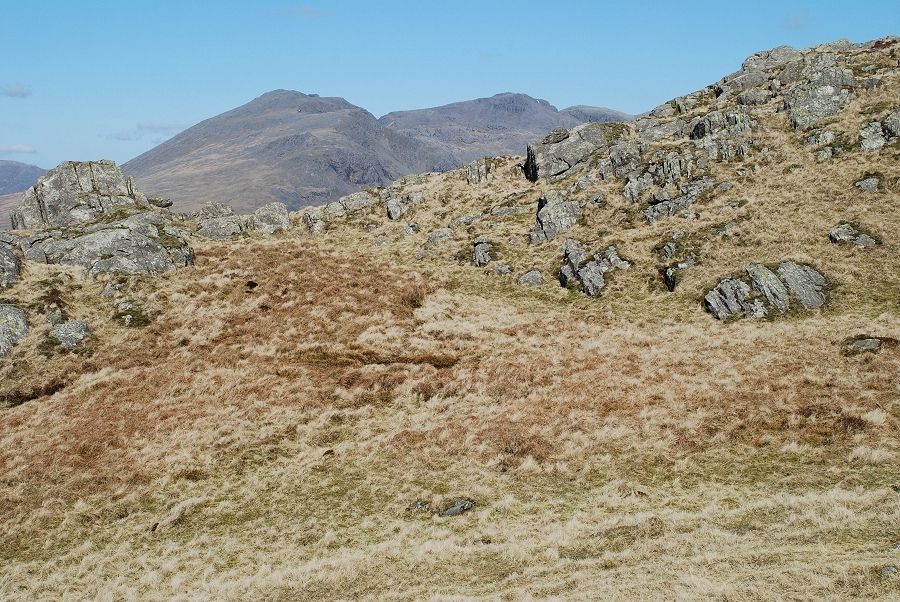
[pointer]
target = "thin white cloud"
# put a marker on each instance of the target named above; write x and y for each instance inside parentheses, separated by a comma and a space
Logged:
(306, 11)
(797, 20)
(15, 149)
(15, 91)
(148, 128)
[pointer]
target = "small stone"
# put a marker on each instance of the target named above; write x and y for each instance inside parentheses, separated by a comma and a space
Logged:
(159, 202)
(70, 334)
(889, 570)
(871, 137)
(481, 252)
(458, 507)
(869, 184)
(862, 345)
(55, 316)
(438, 236)
(502, 269)
(531, 278)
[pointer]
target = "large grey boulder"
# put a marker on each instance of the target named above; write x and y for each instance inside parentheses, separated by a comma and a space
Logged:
(221, 228)
(9, 266)
(805, 283)
(765, 282)
(563, 150)
(74, 192)
(531, 278)
(735, 296)
(213, 209)
(555, 215)
(769, 59)
(270, 218)
(70, 334)
(144, 243)
(358, 200)
(807, 105)
(13, 327)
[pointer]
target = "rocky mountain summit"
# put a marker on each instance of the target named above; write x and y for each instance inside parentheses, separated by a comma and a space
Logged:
(303, 149)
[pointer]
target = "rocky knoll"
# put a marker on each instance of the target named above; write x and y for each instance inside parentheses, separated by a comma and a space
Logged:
(90, 215)
(75, 192)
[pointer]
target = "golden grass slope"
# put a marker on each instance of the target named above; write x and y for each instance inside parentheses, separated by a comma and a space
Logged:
(270, 442)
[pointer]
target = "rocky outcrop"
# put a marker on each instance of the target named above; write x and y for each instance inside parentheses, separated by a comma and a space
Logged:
(760, 291)
(76, 192)
(555, 216)
(220, 228)
(145, 243)
(847, 234)
(562, 151)
(480, 171)
(269, 219)
(876, 134)
(588, 274)
(661, 206)
(13, 327)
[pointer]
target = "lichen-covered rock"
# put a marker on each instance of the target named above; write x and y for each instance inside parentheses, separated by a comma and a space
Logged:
(573, 256)
(847, 234)
(805, 283)
(671, 274)
(9, 266)
(555, 215)
(357, 200)
(871, 137)
(13, 327)
(70, 334)
(140, 244)
(590, 274)
(531, 278)
(221, 228)
(438, 236)
(270, 218)
(689, 193)
(734, 296)
(807, 105)
(869, 184)
(564, 150)
(891, 124)
(765, 282)
(212, 209)
(730, 298)
(74, 192)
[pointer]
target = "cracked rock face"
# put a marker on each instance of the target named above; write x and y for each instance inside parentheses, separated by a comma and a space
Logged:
(141, 244)
(762, 290)
(75, 192)
(555, 216)
(563, 150)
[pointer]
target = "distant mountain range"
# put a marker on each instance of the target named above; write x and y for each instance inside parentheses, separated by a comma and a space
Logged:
(17, 177)
(303, 149)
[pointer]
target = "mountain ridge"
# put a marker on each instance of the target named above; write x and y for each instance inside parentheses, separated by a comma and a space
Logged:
(305, 149)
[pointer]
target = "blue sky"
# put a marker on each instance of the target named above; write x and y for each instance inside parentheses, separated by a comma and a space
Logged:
(103, 79)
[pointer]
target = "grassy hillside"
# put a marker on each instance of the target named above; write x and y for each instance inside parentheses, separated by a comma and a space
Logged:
(294, 412)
